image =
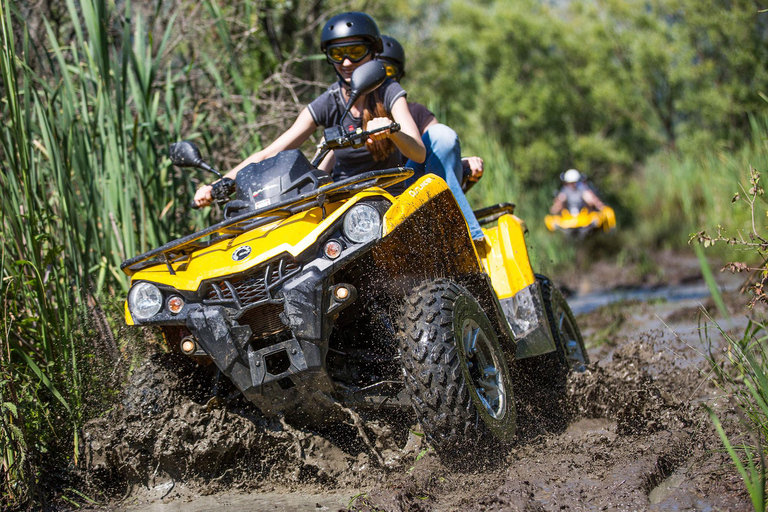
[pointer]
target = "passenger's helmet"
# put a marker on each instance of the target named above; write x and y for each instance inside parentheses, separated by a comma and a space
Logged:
(351, 24)
(393, 51)
(571, 176)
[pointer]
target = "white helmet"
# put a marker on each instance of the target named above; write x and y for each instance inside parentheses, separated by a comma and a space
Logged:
(571, 176)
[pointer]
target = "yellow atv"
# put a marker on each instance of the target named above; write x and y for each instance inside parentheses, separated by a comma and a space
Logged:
(312, 293)
(582, 223)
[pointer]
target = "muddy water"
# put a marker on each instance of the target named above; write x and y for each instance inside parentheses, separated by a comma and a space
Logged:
(636, 439)
(582, 303)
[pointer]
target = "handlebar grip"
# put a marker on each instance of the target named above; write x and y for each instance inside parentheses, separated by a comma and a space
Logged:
(193, 205)
(222, 189)
(220, 192)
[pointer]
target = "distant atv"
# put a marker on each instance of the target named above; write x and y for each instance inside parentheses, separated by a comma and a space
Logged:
(313, 293)
(583, 223)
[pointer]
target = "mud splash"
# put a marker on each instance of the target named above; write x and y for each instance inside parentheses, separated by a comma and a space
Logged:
(168, 431)
(636, 439)
(632, 444)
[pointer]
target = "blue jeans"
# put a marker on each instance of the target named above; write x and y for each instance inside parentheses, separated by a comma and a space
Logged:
(444, 160)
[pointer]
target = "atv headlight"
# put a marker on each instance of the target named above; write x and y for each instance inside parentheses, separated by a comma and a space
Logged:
(145, 300)
(362, 223)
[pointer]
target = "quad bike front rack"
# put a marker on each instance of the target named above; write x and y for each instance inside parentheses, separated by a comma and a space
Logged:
(182, 247)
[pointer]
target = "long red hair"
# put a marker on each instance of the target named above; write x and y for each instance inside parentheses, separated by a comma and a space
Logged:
(373, 107)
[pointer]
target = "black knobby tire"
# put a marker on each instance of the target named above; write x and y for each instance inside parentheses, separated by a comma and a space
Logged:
(571, 351)
(542, 381)
(450, 378)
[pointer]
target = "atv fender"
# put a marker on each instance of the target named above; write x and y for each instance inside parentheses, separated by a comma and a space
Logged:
(426, 237)
(518, 291)
(425, 230)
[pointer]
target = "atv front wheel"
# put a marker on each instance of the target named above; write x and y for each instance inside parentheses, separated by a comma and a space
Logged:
(456, 372)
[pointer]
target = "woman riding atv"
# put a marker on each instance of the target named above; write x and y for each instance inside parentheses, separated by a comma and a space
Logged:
(349, 40)
(441, 142)
(575, 195)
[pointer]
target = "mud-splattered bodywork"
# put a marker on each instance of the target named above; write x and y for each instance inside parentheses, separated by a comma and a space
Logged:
(266, 306)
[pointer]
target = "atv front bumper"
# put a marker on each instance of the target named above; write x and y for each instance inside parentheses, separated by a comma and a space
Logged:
(272, 377)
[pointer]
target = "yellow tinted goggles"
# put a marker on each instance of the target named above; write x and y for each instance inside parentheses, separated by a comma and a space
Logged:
(354, 52)
(391, 70)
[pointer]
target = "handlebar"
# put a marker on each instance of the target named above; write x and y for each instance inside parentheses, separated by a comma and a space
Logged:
(337, 137)
(221, 190)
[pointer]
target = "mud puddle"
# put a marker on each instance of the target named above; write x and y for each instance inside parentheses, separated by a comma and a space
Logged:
(636, 438)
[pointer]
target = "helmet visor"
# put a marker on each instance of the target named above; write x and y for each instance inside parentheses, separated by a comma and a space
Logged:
(354, 52)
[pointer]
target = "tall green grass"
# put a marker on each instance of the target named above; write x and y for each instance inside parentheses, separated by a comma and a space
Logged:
(741, 371)
(740, 367)
(677, 195)
(85, 185)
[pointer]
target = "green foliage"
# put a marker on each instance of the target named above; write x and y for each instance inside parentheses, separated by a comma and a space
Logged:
(595, 85)
(742, 373)
(741, 369)
(676, 195)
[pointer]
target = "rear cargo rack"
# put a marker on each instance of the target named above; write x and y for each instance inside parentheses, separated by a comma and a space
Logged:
(492, 213)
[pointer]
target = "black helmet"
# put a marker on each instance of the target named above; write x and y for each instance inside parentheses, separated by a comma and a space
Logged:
(351, 24)
(393, 51)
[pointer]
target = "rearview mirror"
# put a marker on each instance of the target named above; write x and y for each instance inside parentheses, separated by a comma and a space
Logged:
(186, 154)
(365, 79)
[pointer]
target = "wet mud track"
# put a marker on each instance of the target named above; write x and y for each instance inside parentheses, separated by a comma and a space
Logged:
(637, 438)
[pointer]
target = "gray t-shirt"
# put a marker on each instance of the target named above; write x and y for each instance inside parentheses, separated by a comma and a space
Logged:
(326, 111)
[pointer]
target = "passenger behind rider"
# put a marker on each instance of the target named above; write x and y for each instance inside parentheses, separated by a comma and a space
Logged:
(442, 144)
(575, 195)
(349, 40)
(443, 147)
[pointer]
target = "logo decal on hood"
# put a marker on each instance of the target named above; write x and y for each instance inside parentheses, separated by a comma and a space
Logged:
(241, 253)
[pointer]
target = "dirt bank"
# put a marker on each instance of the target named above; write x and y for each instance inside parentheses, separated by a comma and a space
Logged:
(637, 439)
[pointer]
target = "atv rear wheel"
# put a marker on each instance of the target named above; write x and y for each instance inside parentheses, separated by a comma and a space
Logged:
(542, 381)
(565, 332)
(456, 373)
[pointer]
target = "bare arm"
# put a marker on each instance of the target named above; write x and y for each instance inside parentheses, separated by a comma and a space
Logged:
(328, 163)
(292, 138)
(557, 207)
(408, 139)
(592, 200)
